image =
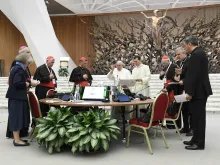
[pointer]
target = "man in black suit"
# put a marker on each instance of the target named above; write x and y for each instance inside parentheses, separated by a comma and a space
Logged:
(181, 55)
(197, 87)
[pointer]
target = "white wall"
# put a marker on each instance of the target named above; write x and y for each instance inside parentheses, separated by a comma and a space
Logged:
(32, 20)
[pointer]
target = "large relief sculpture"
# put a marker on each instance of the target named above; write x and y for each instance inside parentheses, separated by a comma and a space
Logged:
(125, 36)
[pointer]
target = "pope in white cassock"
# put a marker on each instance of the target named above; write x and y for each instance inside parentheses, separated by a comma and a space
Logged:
(117, 73)
(141, 73)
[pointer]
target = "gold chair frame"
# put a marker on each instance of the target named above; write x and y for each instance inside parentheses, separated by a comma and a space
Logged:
(175, 119)
(32, 134)
(149, 126)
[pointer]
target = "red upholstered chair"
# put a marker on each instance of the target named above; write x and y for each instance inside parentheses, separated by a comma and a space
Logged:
(51, 92)
(35, 112)
(157, 115)
(174, 119)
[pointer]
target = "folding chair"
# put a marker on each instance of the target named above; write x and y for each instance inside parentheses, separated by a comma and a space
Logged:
(157, 115)
(174, 119)
(35, 112)
(51, 92)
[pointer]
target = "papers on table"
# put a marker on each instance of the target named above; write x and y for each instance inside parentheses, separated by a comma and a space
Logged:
(54, 100)
(127, 82)
(180, 98)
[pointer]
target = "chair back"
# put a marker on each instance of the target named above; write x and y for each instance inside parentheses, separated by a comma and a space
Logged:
(51, 92)
(34, 105)
(179, 111)
(159, 107)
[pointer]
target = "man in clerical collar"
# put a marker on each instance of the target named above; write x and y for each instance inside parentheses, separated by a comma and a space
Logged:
(81, 75)
(141, 73)
(181, 55)
(47, 78)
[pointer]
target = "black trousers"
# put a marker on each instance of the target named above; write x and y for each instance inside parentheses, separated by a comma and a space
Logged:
(198, 109)
(187, 117)
(41, 92)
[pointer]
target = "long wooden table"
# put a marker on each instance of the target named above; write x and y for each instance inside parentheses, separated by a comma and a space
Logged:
(83, 103)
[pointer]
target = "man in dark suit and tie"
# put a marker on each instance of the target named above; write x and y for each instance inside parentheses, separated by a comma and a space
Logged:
(197, 88)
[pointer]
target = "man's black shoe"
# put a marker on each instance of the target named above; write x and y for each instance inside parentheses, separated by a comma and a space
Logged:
(194, 147)
(188, 143)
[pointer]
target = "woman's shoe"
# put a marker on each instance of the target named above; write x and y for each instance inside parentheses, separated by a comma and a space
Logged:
(20, 145)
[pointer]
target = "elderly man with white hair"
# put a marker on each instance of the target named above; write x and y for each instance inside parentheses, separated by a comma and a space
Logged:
(119, 72)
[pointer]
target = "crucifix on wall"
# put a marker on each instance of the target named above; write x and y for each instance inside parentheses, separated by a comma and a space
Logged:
(156, 28)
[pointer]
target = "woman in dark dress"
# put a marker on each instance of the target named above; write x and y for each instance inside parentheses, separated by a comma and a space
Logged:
(24, 131)
(17, 98)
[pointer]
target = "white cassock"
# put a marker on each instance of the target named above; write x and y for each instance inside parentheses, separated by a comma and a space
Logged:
(142, 72)
(116, 75)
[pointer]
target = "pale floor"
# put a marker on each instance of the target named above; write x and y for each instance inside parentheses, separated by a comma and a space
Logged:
(136, 154)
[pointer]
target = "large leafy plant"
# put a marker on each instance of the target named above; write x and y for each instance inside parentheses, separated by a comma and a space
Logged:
(51, 130)
(63, 72)
(92, 130)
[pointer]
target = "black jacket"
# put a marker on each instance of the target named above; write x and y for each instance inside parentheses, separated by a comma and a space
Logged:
(77, 75)
(17, 84)
(196, 81)
(170, 73)
(42, 74)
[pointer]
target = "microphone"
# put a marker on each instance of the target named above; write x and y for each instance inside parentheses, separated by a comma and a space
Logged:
(142, 89)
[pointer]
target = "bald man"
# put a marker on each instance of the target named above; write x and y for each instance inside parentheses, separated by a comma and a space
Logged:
(118, 72)
(47, 78)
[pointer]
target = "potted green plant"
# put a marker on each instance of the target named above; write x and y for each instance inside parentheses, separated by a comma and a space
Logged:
(63, 72)
(51, 130)
(92, 130)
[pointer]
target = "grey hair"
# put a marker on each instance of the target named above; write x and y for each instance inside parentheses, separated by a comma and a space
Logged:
(24, 58)
(120, 62)
(192, 39)
(181, 49)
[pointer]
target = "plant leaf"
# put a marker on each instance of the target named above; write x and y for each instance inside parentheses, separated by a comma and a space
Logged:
(74, 129)
(62, 131)
(90, 129)
(57, 149)
(102, 135)
(114, 136)
(97, 146)
(81, 148)
(43, 128)
(41, 120)
(41, 125)
(51, 137)
(94, 142)
(63, 118)
(74, 149)
(106, 133)
(49, 119)
(83, 132)
(110, 122)
(81, 141)
(93, 134)
(86, 139)
(114, 127)
(45, 133)
(87, 147)
(74, 138)
(59, 115)
(105, 144)
(50, 149)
